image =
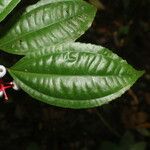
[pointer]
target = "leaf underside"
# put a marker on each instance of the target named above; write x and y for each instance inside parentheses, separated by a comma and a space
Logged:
(48, 23)
(74, 75)
(6, 6)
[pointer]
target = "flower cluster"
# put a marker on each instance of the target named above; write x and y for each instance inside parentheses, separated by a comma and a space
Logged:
(5, 85)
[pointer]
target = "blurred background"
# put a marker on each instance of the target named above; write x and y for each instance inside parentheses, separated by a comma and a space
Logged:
(124, 124)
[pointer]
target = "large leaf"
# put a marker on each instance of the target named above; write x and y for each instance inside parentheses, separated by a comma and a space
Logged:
(48, 23)
(74, 75)
(6, 6)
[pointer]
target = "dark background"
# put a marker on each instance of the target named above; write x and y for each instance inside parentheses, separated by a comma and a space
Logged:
(26, 124)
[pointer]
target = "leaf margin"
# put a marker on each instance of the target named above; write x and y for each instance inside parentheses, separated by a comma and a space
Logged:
(7, 10)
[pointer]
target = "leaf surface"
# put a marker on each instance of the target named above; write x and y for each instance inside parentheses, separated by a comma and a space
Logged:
(48, 23)
(6, 6)
(74, 75)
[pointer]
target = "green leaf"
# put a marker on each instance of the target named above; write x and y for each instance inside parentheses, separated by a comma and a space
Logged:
(108, 145)
(74, 75)
(139, 146)
(6, 6)
(127, 140)
(48, 23)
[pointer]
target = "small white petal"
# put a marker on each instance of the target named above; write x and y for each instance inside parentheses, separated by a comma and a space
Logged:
(2, 71)
(1, 93)
(15, 86)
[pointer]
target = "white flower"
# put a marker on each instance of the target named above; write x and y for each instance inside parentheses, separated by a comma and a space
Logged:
(2, 71)
(15, 86)
(1, 93)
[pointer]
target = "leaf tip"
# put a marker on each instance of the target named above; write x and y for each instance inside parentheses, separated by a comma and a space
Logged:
(137, 74)
(140, 73)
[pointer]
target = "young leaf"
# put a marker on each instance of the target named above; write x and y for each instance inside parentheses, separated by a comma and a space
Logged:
(74, 75)
(48, 23)
(6, 6)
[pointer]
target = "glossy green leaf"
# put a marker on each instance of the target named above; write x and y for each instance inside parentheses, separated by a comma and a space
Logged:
(48, 23)
(74, 75)
(6, 6)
